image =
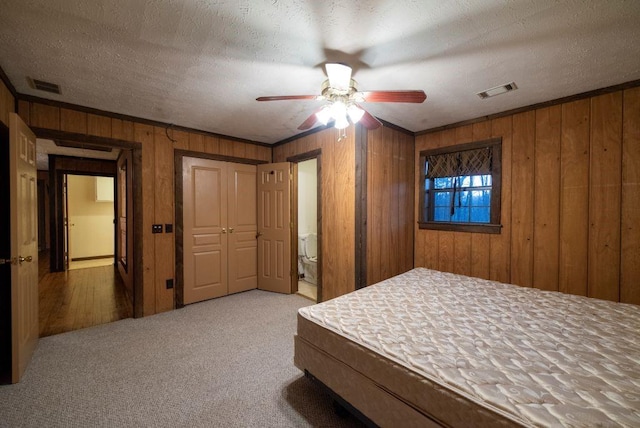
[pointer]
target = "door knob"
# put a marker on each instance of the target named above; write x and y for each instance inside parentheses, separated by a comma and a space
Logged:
(24, 259)
(224, 230)
(231, 230)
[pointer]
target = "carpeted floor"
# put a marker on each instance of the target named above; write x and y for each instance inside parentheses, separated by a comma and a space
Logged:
(226, 362)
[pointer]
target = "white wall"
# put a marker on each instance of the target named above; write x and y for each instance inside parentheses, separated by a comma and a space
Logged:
(91, 229)
(307, 197)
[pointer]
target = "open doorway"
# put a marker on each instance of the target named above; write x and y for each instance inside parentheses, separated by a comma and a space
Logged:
(80, 284)
(308, 229)
(90, 233)
(307, 224)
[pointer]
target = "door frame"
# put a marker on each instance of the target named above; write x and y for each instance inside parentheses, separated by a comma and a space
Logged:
(178, 154)
(125, 267)
(64, 183)
(59, 168)
(64, 194)
(317, 155)
(136, 163)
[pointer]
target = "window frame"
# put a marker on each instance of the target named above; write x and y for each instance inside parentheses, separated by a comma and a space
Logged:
(494, 226)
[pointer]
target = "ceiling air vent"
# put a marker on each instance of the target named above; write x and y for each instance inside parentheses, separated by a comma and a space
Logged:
(44, 86)
(497, 90)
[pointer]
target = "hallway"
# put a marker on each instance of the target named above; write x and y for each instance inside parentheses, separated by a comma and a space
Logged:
(79, 298)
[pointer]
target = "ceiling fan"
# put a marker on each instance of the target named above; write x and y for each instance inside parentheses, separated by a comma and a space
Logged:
(343, 97)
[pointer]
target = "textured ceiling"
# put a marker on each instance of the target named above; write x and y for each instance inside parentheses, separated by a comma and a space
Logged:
(202, 63)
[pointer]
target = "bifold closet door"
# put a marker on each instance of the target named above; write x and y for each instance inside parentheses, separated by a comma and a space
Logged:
(205, 191)
(242, 227)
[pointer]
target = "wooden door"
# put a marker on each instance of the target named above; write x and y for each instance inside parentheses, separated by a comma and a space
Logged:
(205, 229)
(274, 227)
(24, 246)
(242, 227)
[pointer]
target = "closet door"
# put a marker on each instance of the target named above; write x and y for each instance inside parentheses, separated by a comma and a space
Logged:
(242, 230)
(205, 235)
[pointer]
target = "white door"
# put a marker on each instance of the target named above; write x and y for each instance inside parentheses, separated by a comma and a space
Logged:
(274, 227)
(24, 246)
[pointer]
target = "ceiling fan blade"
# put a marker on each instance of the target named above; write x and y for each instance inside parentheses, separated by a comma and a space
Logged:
(369, 121)
(309, 122)
(393, 96)
(339, 76)
(289, 97)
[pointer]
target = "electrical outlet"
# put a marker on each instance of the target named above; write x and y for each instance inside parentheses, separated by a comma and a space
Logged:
(169, 284)
(156, 228)
(168, 228)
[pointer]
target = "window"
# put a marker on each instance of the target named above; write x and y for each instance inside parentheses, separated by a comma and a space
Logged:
(461, 187)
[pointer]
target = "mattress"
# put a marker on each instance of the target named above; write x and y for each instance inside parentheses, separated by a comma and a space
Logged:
(457, 351)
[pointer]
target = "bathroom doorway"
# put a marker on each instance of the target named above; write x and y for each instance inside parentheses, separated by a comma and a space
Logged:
(308, 229)
(307, 224)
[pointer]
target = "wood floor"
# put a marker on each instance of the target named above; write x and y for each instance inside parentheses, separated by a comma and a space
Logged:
(80, 298)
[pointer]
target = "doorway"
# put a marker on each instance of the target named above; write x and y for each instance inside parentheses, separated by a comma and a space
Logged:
(307, 228)
(89, 221)
(80, 283)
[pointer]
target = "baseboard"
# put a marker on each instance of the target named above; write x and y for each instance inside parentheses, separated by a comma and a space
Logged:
(79, 259)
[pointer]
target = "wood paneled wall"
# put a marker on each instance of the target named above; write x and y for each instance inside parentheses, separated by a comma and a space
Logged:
(389, 210)
(338, 205)
(7, 103)
(390, 181)
(157, 179)
(570, 200)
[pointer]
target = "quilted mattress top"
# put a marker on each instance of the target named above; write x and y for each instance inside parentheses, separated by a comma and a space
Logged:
(541, 358)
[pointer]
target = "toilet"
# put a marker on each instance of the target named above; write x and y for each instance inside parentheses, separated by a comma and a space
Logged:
(308, 257)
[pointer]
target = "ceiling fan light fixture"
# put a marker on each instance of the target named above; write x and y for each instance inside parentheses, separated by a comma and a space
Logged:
(324, 115)
(342, 96)
(341, 122)
(338, 109)
(355, 113)
(339, 113)
(339, 76)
